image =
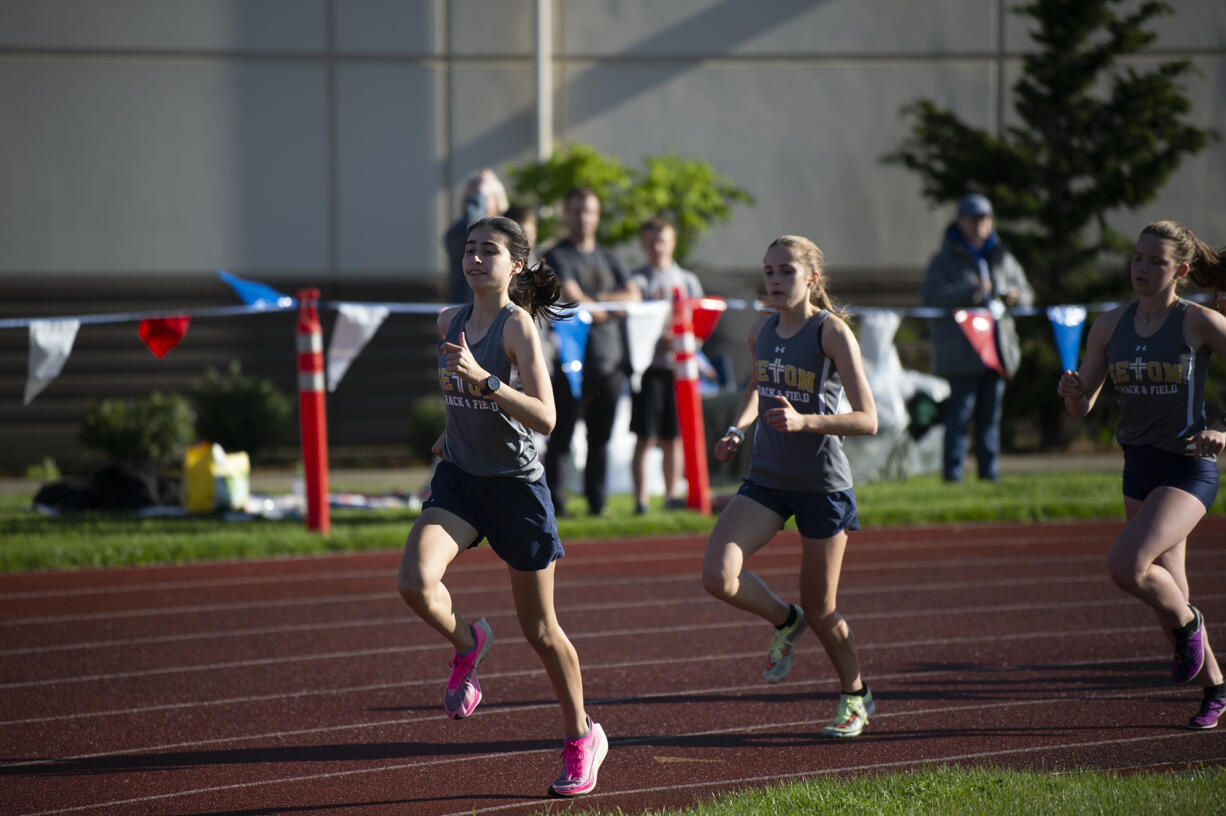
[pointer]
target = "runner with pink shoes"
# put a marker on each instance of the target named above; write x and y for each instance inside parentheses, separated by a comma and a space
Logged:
(491, 485)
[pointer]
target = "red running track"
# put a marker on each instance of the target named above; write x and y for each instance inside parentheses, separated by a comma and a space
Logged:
(305, 686)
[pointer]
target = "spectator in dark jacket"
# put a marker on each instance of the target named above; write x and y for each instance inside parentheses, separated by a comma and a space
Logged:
(974, 269)
(589, 273)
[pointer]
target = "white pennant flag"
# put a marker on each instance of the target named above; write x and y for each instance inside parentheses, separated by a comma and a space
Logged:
(50, 344)
(645, 324)
(355, 325)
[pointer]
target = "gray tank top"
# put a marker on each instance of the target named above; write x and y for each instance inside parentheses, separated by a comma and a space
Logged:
(1159, 383)
(481, 438)
(796, 368)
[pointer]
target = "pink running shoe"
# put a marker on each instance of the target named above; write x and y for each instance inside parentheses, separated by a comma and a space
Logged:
(581, 760)
(463, 691)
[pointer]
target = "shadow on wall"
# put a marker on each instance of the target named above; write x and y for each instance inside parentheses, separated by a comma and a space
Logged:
(719, 28)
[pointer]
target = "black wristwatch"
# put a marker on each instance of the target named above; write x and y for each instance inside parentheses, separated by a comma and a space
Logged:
(493, 383)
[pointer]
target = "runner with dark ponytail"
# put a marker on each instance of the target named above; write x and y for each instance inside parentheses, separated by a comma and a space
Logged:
(537, 290)
(489, 484)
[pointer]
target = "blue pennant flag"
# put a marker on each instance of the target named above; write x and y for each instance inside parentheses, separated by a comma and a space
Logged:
(256, 295)
(571, 333)
(1066, 324)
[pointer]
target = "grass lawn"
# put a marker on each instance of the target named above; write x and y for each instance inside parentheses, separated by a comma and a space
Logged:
(950, 791)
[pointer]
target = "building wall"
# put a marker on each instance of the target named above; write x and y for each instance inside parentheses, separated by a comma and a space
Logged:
(325, 142)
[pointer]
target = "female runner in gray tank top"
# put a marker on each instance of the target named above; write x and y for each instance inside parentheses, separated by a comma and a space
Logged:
(489, 484)
(804, 356)
(1156, 351)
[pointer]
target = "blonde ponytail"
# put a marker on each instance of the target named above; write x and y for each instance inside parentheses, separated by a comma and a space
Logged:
(809, 255)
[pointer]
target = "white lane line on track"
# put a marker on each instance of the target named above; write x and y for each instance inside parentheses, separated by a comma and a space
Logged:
(593, 668)
(200, 609)
(949, 586)
(568, 584)
(514, 709)
(581, 559)
(647, 740)
(199, 583)
(740, 623)
(692, 554)
(632, 632)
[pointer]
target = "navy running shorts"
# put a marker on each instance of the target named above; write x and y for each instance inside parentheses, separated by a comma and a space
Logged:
(818, 515)
(1146, 468)
(653, 408)
(515, 516)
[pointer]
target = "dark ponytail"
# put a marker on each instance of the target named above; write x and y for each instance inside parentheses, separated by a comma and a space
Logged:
(537, 289)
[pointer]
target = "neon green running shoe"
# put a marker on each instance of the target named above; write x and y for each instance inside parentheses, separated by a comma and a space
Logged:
(852, 715)
(779, 659)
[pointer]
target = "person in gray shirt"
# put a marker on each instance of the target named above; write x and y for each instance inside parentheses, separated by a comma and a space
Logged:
(805, 356)
(1156, 352)
(653, 408)
(489, 484)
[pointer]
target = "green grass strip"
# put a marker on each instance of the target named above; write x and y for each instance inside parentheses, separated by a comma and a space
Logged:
(32, 541)
(951, 791)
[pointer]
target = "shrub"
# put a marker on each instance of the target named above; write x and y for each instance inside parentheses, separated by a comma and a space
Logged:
(427, 420)
(691, 193)
(156, 429)
(240, 412)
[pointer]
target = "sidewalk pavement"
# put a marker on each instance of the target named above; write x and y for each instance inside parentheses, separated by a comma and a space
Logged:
(1106, 462)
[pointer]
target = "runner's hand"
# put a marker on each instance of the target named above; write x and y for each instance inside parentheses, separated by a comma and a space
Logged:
(460, 360)
(785, 419)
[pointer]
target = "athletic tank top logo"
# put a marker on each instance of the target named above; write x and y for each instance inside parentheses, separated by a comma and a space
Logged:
(1142, 376)
(460, 394)
(773, 374)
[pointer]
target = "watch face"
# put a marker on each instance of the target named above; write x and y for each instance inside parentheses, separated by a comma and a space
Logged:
(492, 383)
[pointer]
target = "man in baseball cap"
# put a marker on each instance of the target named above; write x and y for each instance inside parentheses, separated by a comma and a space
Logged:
(973, 206)
(974, 269)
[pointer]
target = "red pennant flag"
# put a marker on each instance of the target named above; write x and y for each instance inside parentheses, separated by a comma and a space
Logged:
(163, 333)
(707, 312)
(978, 326)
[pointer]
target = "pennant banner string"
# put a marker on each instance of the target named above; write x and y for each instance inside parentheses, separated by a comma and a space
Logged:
(136, 317)
(51, 338)
(435, 308)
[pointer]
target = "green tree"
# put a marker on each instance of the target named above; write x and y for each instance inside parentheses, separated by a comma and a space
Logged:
(1094, 136)
(687, 191)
